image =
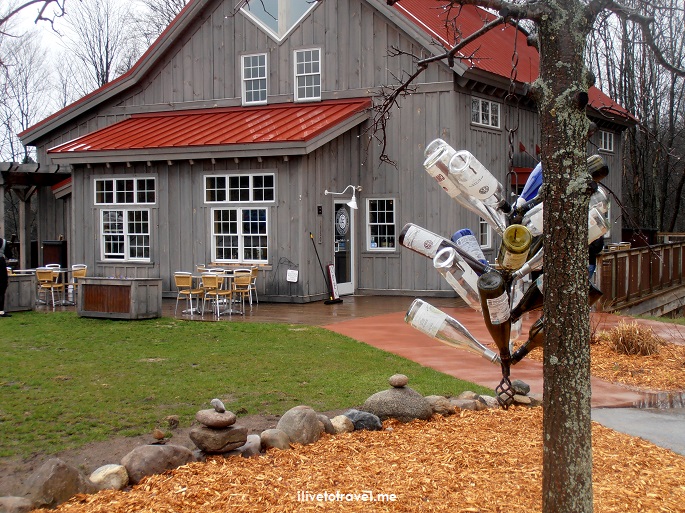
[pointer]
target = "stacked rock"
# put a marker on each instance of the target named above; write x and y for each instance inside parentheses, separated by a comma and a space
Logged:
(218, 433)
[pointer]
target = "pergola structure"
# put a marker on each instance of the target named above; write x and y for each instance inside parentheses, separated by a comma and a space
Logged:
(24, 180)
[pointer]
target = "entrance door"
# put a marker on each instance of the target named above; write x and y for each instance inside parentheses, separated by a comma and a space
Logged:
(343, 222)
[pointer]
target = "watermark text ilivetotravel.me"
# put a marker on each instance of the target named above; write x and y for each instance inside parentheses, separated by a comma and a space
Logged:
(338, 496)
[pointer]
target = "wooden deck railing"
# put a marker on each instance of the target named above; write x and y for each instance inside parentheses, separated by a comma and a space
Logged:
(629, 276)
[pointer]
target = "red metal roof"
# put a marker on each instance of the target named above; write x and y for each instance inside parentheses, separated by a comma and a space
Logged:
(493, 51)
(285, 122)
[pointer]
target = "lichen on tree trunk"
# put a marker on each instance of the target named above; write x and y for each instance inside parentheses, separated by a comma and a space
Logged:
(567, 446)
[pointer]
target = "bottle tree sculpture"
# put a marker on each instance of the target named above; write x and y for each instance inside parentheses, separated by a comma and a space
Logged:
(500, 291)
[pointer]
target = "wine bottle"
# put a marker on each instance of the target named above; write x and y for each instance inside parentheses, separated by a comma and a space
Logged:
(536, 337)
(531, 300)
(466, 240)
(513, 251)
(477, 181)
(440, 326)
(438, 154)
(533, 220)
(599, 200)
(496, 313)
(459, 275)
(428, 244)
(597, 225)
(534, 263)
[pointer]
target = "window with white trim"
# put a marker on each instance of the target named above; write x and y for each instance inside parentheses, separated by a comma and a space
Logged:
(380, 228)
(254, 79)
(124, 229)
(240, 188)
(484, 234)
(125, 191)
(240, 234)
(125, 234)
(308, 74)
(485, 112)
(606, 141)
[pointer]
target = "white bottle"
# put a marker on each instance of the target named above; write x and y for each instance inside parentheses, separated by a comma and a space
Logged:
(533, 220)
(477, 181)
(459, 275)
(597, 225)
(440, 326)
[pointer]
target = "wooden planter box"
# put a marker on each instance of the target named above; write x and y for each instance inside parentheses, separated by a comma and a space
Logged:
(120, 298)
(21, 293)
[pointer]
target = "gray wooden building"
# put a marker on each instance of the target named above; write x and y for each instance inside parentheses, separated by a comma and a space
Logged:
(220, 143)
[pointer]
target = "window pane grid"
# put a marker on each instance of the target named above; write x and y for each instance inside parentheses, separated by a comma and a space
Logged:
(308, 74)
(240, 188)
(485, 112)
(130, 239)
(246, 240)
(112, 191)
(254, 78)
(381, 226)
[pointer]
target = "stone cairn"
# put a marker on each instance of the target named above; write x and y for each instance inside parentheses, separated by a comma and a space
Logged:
(218, 434)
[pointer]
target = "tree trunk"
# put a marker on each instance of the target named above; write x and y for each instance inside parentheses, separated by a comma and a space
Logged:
(567, 445)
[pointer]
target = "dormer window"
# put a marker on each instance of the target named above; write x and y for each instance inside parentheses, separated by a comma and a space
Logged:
(278, 17)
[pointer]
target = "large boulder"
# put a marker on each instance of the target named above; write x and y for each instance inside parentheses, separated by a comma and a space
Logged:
(301, 424)
(404, 404)
(56, 482)
(147, 460)
(217, 441)
(110, 477)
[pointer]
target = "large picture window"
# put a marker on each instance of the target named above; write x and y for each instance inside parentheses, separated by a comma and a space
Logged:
(240, 188)
(254, 79)
(485, 112)
(240, 234)
(308, 74)
(125, 234)
(381, 225)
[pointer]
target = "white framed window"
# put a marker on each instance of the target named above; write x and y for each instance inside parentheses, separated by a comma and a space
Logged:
(484, 234)
(277, 17)
(606, 141)
(254, 75)
(380, 229)
(125, 191)
(308, 74)
(240, 234)
(125, 234)
(485, 112)
(240, 188)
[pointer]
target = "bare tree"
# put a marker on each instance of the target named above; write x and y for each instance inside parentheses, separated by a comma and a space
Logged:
(563, 27)
(156, 16)
(655, 167)
(98, 35)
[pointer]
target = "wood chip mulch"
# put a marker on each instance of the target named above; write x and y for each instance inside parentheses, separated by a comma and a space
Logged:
(488, 461)
(663, 371)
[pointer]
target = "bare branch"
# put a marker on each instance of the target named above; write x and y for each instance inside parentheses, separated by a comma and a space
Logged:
(390, 95)
(645, 23)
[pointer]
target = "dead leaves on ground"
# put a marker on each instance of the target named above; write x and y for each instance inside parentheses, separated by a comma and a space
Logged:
(488, 461)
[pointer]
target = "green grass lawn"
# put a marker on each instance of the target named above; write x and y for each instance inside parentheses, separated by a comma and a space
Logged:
(66, 381)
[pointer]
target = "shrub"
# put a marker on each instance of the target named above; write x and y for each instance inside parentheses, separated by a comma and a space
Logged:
(633, 339)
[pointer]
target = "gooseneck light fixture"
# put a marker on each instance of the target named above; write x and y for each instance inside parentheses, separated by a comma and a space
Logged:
(353, 202)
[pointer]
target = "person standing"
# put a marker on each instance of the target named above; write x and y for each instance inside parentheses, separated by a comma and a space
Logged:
(3, 277)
